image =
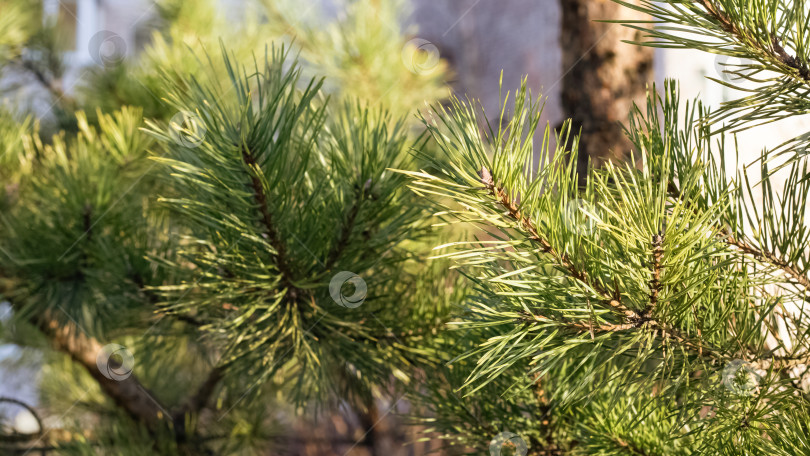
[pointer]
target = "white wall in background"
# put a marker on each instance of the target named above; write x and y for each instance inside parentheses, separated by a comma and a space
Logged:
(89, 18)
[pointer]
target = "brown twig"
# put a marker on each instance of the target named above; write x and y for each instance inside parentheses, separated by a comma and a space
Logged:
(769, 257)
(667, 331)
(273, 236)
(346, 230)
(200, 399)
(195, 403)
(760, 254)
(776, 51)
(655, 283)
(634, 320)
(52, 85)
(721, 17)
(629, 446)
(87, 219)
(579, 326)
(612, 299)
(128, 393)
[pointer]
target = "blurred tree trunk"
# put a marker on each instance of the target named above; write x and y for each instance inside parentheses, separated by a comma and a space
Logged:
(603, 76)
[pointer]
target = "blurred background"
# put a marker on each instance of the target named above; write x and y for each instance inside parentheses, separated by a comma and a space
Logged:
(582, 67)
(84, 54)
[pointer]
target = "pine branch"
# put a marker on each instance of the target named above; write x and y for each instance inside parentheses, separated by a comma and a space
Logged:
(634, 319)
(346, 231)
(194, 404)
(129, 394)
(87, 219)
(673, 333)
(200, 399)
(667, 331)
(768, 35)
(777, 52)
(273, 236)
(783, 362)
(655, 283)
(52, 85)
(579, 326)
(15, 437)
(769, 257)
(721, 17)
(728, 237)
(629, 446)
(613, 300)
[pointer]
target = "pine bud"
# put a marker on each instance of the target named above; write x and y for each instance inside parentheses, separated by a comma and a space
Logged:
(486, 177)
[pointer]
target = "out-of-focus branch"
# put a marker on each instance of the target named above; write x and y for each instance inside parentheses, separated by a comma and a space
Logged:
(127, 393)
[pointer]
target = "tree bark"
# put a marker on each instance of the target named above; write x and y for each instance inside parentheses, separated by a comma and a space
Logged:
(603, 76)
